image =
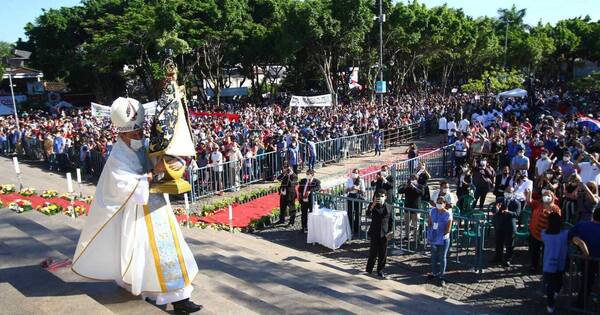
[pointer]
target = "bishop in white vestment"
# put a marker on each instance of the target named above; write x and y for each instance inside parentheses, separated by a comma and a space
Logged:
(131, 236)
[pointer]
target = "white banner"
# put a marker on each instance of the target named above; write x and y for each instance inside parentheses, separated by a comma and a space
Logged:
(100, 110)
(311, 101)
(104, 111)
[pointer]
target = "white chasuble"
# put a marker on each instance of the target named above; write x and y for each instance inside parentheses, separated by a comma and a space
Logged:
(132, 237)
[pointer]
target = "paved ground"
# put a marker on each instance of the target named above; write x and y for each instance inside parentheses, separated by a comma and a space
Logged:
(239, 274)
(504, 290)
(36, 174)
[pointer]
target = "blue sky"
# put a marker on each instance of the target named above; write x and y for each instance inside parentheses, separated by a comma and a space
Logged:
(15, 14)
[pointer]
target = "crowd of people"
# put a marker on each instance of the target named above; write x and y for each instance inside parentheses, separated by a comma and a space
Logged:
(533, 169)
(73, 138)
(539, 162)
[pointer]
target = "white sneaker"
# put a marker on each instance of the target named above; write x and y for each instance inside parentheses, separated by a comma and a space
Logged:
(550, 310)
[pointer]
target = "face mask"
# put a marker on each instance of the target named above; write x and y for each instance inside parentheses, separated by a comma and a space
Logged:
(544, 156)
(354, 176)
(445, 190)
(414, 182)
(508, 195)
(440, 206)
(547, 199)
(548, 175)
(521, 154)
(384, 174)
(483, 164)
(381, 200)
(566, 158)
(136, 145)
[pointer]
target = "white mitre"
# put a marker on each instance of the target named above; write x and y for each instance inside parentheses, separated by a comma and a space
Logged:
(127, 114)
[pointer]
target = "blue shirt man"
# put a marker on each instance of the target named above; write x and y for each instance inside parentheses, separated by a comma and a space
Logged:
(58, 144)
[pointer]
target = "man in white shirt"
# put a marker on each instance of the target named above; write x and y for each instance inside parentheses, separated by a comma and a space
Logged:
(442, 125)
(463, 125)
(543, 164)
(451, 131)
(444, 192)
(588, 171)
(216, 161)
(523, 187)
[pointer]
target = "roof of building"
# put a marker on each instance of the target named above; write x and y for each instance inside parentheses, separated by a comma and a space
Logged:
(22, 73)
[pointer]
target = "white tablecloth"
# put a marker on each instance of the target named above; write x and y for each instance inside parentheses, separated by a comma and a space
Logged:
(329, 228)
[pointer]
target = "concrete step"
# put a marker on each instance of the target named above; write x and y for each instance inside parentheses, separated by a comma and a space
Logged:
(338, 277)
(14, 302)
(116, 299)
(46, 242)
(320, 276)
(43, 289)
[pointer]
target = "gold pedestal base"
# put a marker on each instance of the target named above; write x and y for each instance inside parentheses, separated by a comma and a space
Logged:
(173, 186)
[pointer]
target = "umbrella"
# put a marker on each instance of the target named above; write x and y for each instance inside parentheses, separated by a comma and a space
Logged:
(589, 123)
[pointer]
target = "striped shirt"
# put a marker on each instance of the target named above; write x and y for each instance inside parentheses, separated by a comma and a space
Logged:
(539, 218)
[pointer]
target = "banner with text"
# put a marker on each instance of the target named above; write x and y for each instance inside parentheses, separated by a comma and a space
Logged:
(311, 101)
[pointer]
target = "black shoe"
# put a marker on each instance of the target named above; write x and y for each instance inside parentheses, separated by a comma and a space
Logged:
(381, 275)
(369, 272)
(186, 307)
(430, 276)
(506, 264)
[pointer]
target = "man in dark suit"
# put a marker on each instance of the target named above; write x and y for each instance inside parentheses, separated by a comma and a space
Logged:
(483, 179)
(506, 214)
(380, 231)
(306, 188)
(287, 194)
(413, 192)
(385, 181)
(502, 181)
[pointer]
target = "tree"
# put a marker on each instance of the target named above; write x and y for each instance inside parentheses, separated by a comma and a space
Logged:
(500, 79)
(330, 30)
(5, 49)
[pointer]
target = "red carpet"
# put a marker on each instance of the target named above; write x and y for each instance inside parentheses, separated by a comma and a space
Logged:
(243, 214)
(39, 201)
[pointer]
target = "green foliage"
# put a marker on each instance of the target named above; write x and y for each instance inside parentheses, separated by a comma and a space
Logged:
(590, 83)
(499, 79)
(88, 45)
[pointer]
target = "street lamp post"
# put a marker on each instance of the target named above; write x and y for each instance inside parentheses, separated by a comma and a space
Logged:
(506, 42)
(381, 50)
(12, 93)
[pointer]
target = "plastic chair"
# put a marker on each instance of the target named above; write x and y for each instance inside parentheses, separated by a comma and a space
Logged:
(465, 203)
(472, 229)
(523, 229)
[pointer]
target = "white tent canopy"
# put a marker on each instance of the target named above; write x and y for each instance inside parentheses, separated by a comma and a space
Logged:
(6, 110)
(513, 93)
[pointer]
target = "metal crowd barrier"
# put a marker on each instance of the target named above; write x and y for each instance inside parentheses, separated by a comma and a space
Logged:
(232, 175)
(583, 277)
(467, 235)
(438, 163)
(33, 149)
(404, 134)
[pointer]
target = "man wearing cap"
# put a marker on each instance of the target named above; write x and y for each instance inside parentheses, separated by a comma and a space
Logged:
(131, 236)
